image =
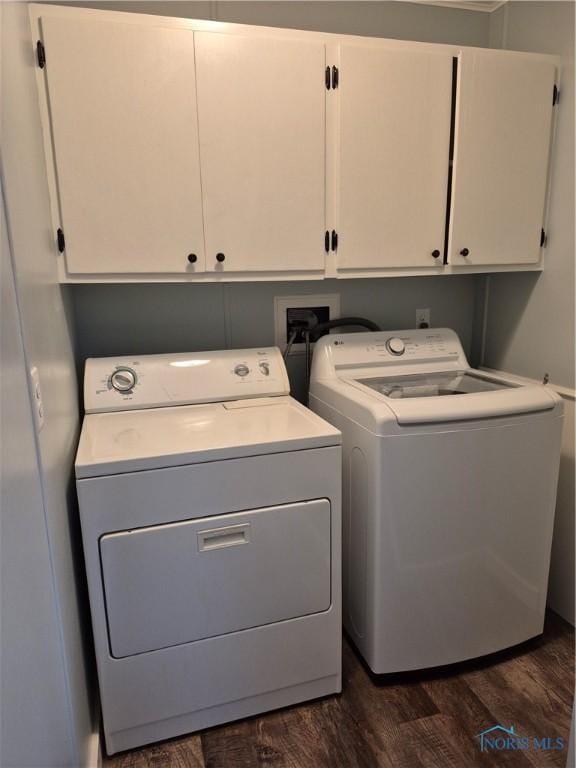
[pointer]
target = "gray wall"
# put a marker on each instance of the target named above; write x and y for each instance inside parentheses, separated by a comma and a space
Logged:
(118, 319)
(405, 21)
(48, 344)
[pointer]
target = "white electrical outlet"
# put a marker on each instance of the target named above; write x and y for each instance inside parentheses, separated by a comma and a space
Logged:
(37, 398)
(283, 303)
(423, 318)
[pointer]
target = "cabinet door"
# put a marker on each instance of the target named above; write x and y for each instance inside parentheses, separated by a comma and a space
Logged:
(501, 158)
(124, 124)
(261, 109)
(394, 136)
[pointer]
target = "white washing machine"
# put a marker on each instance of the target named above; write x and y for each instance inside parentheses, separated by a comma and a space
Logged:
(210, 512)
(448, 502)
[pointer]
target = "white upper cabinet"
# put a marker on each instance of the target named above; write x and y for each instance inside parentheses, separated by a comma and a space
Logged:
(394, 140)
(181, 149)
(261, 110)
(502, 147)
(124, 129)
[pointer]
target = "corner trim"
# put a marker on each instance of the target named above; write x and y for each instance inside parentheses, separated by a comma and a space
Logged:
(94, 750)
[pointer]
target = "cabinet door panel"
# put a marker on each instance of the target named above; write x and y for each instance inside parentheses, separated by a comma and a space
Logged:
(261, 109)
(123, 112)
(501, 158)
(394, 134)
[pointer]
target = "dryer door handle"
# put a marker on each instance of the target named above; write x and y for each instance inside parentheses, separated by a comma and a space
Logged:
(220, 538)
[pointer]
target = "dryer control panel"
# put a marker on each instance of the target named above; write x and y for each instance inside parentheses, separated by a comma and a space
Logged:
(152, 381)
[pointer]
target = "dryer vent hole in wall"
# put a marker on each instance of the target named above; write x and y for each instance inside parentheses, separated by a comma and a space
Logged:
(298, 319)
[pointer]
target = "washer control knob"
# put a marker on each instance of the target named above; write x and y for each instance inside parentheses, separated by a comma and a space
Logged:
(265, 368)
(123, 379)
(241, 370)
(396, 346)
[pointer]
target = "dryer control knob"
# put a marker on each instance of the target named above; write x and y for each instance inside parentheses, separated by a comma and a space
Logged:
(123, 379)
(396, 346)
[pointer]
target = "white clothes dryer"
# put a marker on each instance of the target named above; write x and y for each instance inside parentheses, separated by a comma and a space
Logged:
(448, 496)
(210, 512)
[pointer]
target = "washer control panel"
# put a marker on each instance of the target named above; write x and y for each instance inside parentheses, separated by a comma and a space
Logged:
(395, 345)
(152, 381)
(396, 351)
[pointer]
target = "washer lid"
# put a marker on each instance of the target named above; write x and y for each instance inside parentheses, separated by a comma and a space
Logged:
(129, 441)
(435, 384)
(440, 396)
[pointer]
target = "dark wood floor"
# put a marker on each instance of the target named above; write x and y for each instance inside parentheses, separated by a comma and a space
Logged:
(422, 719)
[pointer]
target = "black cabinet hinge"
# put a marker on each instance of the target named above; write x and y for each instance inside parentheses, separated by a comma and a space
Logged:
(60, 240)
(542, 238)
(335, 77)
(555, 95)
(334, 240)
(331, 77)
(40, 54)
(326, 241)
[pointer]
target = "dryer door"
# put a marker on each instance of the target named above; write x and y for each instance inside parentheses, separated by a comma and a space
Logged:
(171, 584)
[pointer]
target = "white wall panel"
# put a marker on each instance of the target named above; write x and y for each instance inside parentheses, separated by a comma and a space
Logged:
(34, 717)
(48, 342)
(561, 595)
(530, 321)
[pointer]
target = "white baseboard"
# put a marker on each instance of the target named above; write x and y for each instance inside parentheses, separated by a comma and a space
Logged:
(94, 749)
